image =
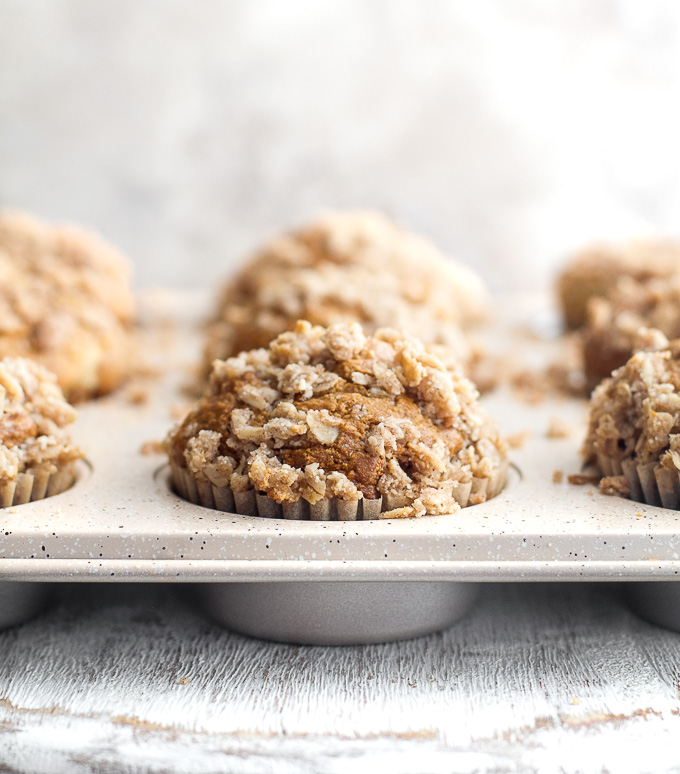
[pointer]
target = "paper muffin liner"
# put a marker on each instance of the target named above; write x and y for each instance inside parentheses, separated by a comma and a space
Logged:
(252, 503)
(649, 483)
(29, 487)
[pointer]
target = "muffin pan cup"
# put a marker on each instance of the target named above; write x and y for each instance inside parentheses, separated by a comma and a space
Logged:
(339, 613)
(19, 602)
(658, 603)
(275, 577)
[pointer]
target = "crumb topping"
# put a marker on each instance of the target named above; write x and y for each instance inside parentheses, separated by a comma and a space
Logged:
(636, 412)
(347, 267)
(597, 270)
(635, 315)
(65, 302)
(331, 412)
(33, 413)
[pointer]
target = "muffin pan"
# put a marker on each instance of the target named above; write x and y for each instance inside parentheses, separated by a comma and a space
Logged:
(122, 522)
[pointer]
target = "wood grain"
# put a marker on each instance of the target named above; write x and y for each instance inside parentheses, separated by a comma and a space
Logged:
(549, 678)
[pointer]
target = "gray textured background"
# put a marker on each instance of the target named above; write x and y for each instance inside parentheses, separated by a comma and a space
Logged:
(187, 131)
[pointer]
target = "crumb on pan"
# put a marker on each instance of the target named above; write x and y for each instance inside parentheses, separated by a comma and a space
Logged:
(615, 485)
(331, 412)
(556, 379)
(517, 440)
(152, 447)
(580, 479)
(559, 428)
(137, 394)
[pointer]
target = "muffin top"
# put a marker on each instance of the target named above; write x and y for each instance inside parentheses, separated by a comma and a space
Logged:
(636, 412)
(614, 322)
(33, 413)
(65, 301)
(331, 412)
(597, 270)
(347, 267)
(633, 304)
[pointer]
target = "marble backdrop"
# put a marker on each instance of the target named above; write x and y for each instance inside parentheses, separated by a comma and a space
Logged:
(188, 130)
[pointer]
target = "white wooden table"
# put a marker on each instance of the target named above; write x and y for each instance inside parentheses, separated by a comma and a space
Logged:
(132, 678)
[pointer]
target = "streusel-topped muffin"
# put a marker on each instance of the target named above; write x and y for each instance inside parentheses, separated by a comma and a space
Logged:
(595, 272)
(65, 301)
(37, 455)
(614, 322)
(326, 417)
(634, 426)
(347, 267)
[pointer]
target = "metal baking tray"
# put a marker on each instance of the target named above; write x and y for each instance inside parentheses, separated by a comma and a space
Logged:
(122, 522)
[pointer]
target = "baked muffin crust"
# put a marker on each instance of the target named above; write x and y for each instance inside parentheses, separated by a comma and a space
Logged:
(331, 412)
(595, 272)
(635, 414)
(347, 267)
(613, 325)
(33, 415)
(65, 302)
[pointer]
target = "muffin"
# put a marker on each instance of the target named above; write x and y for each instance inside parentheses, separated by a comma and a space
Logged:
(596, 271)
(614, 322)
(65, 302)
(633, 435)
(347, 267)
(329, 423)
(37, 457)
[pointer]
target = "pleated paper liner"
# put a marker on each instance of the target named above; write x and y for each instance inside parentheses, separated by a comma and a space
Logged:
(650, 483)
(252, 503)
(29, 487)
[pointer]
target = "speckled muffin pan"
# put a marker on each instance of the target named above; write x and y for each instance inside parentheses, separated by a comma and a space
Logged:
(121, 521)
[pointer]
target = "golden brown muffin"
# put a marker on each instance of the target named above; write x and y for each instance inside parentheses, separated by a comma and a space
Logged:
(614, 323)
(634, 426)
(596, 271)
(65, 301)
(36, 453)
(328, 413)
(347, 267)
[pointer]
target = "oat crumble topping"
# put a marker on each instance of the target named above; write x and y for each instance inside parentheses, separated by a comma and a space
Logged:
(596, 271)
(64, 302)
(636, 412)
(347, 267)
(635, 315)
(331, 412)
(33, 413)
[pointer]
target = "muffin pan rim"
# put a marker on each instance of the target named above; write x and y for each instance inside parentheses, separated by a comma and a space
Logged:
(534, 530)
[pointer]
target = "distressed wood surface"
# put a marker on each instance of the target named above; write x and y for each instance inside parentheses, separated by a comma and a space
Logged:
(549, 678)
